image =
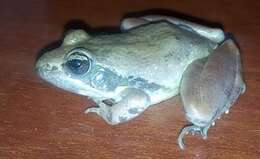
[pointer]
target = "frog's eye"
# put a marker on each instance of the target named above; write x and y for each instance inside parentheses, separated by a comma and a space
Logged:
(78, 62)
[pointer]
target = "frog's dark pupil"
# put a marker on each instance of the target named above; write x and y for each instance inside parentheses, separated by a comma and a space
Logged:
(78, 66)
(75, 63)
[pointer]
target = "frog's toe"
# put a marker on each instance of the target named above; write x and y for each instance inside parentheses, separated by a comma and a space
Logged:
(243, 89)
(103, 112)
(193, 129)
(92, 110)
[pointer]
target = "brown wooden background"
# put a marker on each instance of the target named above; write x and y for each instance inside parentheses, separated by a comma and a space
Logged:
(40, 121)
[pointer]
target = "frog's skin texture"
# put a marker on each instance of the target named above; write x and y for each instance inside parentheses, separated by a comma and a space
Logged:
(153, 59)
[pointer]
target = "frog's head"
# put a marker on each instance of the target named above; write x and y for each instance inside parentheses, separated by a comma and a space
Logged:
(72, 67)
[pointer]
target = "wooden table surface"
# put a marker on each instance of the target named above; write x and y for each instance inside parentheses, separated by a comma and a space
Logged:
(40, 121)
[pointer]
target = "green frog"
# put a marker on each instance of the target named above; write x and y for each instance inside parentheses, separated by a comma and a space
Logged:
(152, 59)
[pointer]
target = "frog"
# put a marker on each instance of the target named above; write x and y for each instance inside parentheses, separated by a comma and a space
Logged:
(151, 59)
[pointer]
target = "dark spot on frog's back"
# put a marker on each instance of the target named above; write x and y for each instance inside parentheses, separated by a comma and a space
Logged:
(143, 84)
(177, 37)
(169, 55)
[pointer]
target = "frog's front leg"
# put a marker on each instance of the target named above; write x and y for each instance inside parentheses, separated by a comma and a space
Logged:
(214, 34)
(133, 102)
(209, 88)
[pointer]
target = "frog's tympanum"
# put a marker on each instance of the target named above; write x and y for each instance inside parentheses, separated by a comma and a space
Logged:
(153, 59)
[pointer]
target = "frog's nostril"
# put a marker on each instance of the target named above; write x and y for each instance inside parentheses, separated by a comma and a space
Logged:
(47, 66)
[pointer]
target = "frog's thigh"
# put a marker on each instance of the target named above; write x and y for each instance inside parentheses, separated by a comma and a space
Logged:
(133, 103)
(194, 106)
(214, 34)
(198, 113)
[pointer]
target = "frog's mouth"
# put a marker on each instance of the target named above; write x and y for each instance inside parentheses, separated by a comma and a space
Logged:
(48, 65)
(49, 68)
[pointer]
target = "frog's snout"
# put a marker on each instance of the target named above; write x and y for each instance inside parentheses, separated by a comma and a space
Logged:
(44, 69)
(47, 64)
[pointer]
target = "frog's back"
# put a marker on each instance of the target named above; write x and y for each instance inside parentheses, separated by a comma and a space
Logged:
(157, 53)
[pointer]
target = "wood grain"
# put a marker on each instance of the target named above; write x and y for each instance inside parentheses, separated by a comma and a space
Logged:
(40, 121)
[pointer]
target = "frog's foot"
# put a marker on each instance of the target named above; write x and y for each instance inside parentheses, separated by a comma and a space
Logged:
(96, 110)
(93, 110)
(193, 129)
(103, 111)
(101, 108)
(132, 104)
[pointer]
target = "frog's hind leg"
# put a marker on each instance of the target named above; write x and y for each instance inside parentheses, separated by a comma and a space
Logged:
(209, 87)
(132, 104)
(213, 34)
